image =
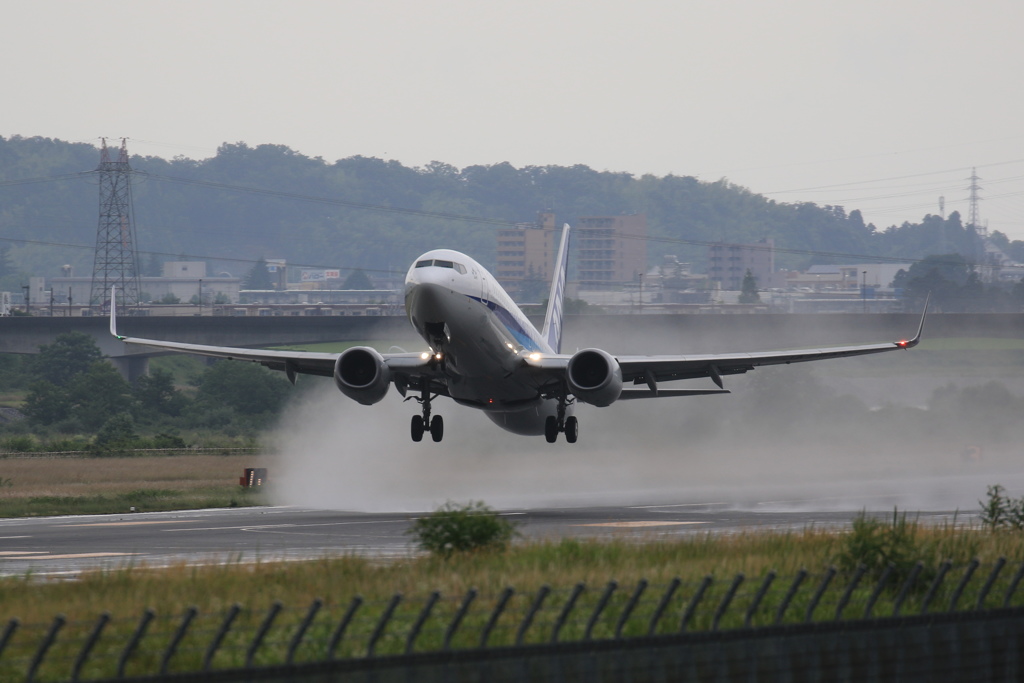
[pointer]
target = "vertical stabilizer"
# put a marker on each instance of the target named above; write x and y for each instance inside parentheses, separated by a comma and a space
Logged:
(552, 331)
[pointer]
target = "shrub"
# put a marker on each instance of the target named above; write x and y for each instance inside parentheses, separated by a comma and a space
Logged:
(999, 511)
(460, 528)
(876, 544)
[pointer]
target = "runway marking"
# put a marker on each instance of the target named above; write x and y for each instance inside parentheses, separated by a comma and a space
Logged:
(678, 505)
(168, 521)
(637, 525)
(7, 538)
(254, 527)
(9, 553)
(76, 556)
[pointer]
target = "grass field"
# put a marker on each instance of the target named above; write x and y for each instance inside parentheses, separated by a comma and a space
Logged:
(212, 591)
(59, 486)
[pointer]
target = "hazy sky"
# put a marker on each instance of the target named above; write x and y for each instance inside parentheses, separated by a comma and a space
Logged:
(882, 106)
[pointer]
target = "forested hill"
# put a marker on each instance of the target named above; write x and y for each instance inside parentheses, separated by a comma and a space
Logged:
(270, 201)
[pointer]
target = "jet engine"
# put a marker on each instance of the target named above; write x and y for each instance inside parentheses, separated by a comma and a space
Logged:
(594, 377)
(362, 375)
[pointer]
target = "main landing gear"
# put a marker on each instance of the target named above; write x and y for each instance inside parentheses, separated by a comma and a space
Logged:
(424, 423)
(570, 426)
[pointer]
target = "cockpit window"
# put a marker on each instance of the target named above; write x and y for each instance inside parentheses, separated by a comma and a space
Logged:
(438, 263)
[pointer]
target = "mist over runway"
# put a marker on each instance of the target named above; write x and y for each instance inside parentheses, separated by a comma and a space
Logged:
(925, 429)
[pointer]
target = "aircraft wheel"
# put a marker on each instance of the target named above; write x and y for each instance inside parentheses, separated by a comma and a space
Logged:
(437, 428)
(416, 428)
(572, 429)
(551, 429)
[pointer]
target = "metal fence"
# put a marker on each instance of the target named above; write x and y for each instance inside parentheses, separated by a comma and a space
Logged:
(564, 628)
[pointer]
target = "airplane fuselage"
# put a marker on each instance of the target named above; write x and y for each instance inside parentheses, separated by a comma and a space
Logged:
(482, 337)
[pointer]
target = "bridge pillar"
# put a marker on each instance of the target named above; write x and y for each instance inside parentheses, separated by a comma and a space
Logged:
(131, 367)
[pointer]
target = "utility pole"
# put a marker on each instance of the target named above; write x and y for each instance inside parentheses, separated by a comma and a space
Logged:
(116, 262)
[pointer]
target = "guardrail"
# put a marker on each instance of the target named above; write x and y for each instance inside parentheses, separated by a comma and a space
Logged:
(332, 630)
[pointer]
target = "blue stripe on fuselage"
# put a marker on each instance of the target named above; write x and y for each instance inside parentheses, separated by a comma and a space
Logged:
(509, 322)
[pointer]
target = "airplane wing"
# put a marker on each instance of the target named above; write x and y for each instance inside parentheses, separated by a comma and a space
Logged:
(408, 369)
(650, 370)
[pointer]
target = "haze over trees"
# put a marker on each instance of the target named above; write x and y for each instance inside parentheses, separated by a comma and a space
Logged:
(248, 202)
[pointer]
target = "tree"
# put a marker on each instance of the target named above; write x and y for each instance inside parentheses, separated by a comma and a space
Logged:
(98, 394)
(155, 392)
(46, 403)
(748, 290)
(71, 354)
(258, 276)
(245, 387)
(357, 279)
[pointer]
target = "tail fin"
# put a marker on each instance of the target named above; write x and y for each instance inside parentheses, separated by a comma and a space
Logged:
(552, 331)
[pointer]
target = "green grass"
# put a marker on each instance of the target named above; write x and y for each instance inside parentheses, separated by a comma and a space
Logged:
(126, 593)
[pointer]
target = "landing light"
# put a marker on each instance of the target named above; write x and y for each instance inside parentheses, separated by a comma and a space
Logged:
(534, 356)
(437, 356)
(424, 356)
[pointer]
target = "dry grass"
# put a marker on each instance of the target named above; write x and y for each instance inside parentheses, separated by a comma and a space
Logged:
(41, 486)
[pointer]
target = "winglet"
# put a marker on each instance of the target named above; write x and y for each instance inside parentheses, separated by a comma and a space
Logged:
(113, 312)
(917, 338)
(552, 331)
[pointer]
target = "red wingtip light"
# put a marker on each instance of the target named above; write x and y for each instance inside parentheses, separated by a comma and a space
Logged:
(902, 343)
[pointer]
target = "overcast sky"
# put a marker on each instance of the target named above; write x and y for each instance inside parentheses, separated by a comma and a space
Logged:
(881, 106)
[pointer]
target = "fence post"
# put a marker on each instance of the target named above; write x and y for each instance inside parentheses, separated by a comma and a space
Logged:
(641, 586)
(346, 619)
(382, 624)
(692, 606)
(1000, 563)
(663, 605)
(911, 578)
(257, 640)
(943, 570)
(300, 632)
(843, 601)
(567, 610)
(878, 589)
(816, 598)
(172, 647)
(140, 631)
(1012, 588)
(758, 597)
(506, 595)
(724, 605)
(790, 594)
(51, 636)
(12, 626)
(90, 642)
(218, 637)
(971, 568)
(457, 619)
(410, 641)
(534, 608)
(601, 604)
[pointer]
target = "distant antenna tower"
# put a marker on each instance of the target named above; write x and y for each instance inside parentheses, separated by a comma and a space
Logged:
(942, 208)
(972, 218)
(116, 262)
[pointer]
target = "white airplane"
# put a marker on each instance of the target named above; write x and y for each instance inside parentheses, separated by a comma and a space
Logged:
(483, 352)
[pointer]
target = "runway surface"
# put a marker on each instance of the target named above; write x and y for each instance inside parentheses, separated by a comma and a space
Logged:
(67, 546)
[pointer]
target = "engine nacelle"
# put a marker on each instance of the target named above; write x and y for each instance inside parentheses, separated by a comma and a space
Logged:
(362, 375)
(594, 377)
